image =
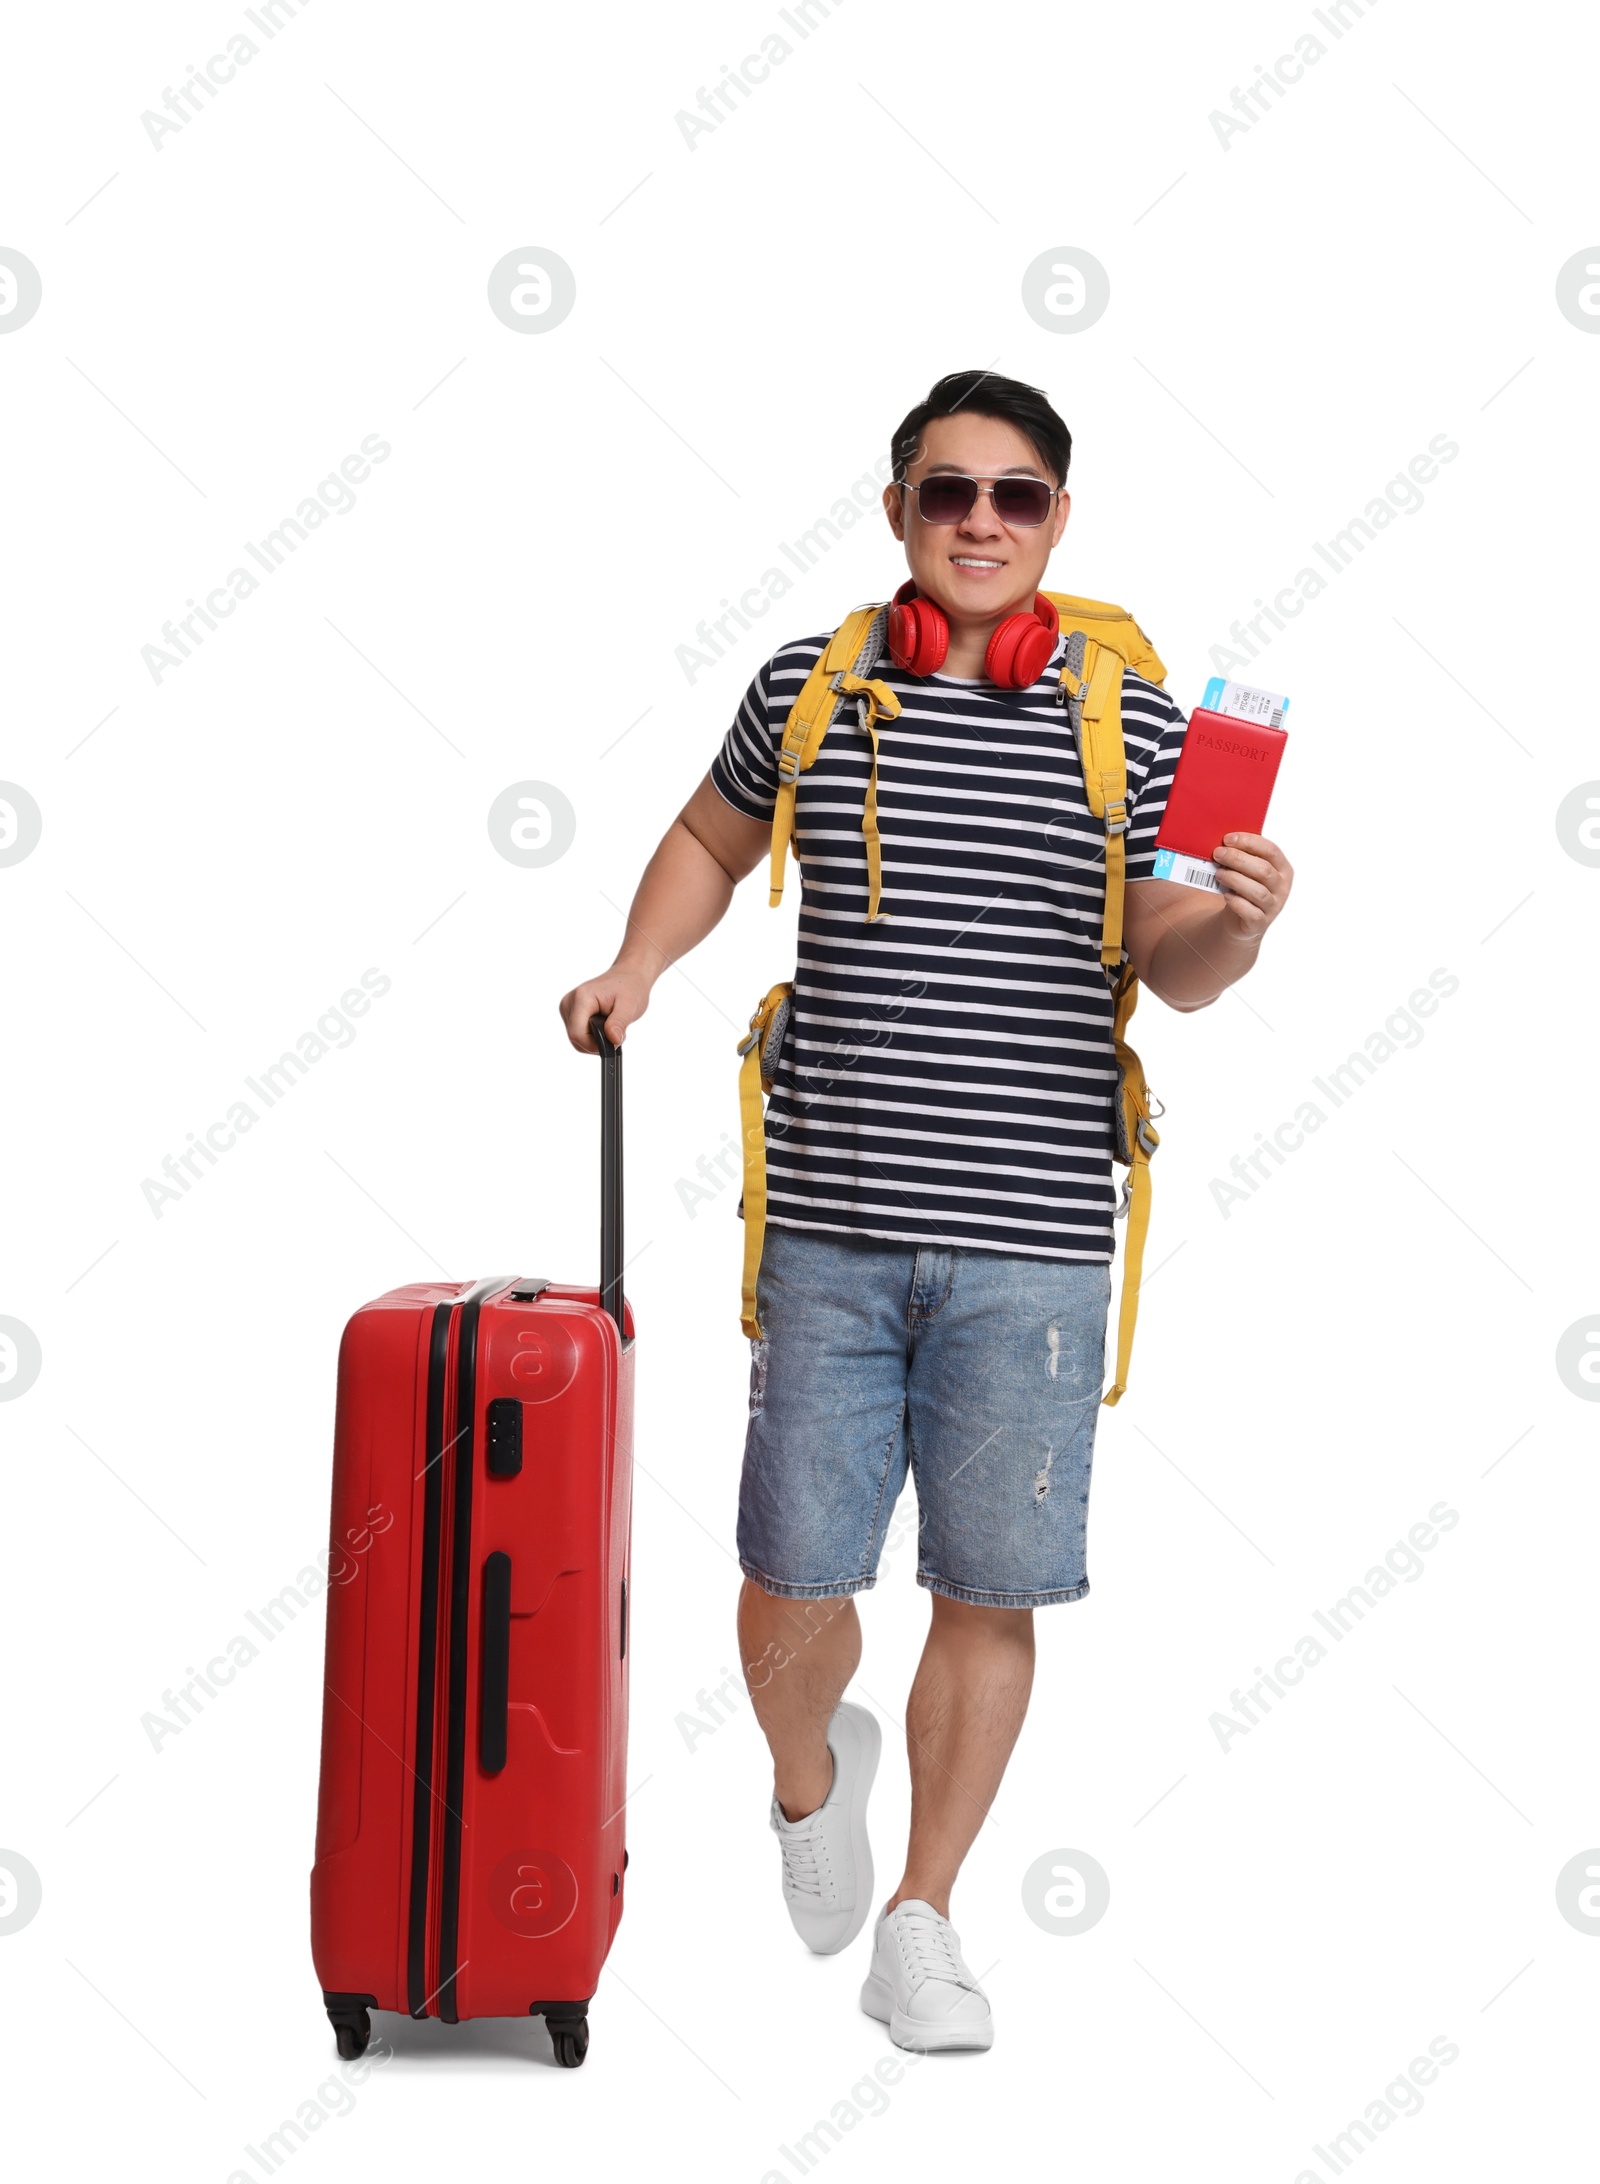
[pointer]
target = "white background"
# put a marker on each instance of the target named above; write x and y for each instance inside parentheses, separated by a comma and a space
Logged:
(1292, 318)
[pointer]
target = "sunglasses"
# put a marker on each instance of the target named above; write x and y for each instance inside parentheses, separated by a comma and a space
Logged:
(947, 497)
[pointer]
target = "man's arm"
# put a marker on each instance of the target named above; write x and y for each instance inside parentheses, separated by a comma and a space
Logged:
(684, 891)
(1188, 945)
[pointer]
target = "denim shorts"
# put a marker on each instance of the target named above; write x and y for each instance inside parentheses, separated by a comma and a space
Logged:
(979, 1371)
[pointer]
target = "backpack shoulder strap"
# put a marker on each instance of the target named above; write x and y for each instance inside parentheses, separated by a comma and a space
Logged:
(1091, 686)
(854, 644)
(1136, 1138)
(1103, 642)
(761, 1048)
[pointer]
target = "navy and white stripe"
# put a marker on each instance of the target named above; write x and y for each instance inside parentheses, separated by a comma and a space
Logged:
(949, 1072)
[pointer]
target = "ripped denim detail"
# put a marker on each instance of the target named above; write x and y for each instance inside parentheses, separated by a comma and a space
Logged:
(760, 1348)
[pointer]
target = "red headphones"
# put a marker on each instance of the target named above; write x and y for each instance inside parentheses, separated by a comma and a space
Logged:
(1017, 653)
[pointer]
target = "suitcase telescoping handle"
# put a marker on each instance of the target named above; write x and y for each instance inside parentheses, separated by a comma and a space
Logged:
(610, 1170)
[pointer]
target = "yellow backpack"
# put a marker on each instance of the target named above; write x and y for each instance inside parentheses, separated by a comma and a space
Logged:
(1102, 642)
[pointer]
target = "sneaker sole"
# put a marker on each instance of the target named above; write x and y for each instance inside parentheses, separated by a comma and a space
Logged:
(909, 2032)
(870, 1740)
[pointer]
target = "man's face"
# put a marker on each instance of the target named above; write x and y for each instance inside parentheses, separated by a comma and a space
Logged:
(978, 569)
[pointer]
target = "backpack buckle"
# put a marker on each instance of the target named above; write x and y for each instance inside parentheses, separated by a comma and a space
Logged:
(1119, 825)
(1146, 1136)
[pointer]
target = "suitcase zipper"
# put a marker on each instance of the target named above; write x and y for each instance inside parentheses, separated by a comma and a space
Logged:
(427, 1663)
(462, 1460)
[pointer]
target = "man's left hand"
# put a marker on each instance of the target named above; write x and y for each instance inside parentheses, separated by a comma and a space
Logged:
(1256, 878)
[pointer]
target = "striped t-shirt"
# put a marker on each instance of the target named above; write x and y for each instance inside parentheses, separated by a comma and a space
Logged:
(948, 1074)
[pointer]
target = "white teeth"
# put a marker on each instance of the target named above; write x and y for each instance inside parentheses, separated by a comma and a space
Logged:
(970, 561)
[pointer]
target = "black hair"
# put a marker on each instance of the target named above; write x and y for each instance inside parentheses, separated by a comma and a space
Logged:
(986, 394)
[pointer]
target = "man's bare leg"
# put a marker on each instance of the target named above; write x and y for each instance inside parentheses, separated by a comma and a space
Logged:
(798, 1656)
(962, 1720)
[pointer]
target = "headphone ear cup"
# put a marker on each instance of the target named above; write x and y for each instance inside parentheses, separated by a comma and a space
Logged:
(919, 634)
(1019, 651)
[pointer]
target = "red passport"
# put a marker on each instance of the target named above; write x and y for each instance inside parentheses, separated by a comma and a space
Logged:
(1222, 785)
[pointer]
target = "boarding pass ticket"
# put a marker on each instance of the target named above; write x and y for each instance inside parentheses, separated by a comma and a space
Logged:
(1172, 864)
(1238, 701)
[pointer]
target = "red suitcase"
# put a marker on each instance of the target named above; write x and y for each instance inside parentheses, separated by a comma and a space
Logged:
(470, 1853)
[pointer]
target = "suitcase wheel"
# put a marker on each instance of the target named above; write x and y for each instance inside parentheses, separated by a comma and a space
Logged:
(352, 2030)
(569, 2036)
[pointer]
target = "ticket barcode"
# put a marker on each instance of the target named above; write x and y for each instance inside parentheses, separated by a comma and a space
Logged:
(1172, 864)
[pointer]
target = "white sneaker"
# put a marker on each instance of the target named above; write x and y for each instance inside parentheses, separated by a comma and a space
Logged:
(827, 1858)
(919, 1985)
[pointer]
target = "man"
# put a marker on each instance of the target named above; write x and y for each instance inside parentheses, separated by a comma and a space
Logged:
(935, 1274)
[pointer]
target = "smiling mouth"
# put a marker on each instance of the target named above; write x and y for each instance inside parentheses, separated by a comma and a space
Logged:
(975, 561)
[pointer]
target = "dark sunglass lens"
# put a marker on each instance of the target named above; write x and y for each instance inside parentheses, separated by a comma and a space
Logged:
(946, 499)
(1021, 500)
